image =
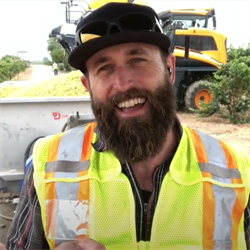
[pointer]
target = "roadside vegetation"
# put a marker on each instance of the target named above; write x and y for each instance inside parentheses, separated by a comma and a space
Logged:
(10, 66)
(230, 88)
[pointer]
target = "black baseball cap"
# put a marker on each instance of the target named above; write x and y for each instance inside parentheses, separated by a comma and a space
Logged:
(113, 24)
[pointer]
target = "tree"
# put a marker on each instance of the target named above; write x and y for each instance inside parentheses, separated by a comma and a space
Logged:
(230, 88)
(57, 54)
(236, 53)
(53, 44)
(10, 66)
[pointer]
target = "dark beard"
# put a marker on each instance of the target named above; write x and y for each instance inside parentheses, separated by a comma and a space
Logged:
(133, 140)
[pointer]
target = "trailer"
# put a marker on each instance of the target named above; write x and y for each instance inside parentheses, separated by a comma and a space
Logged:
(23, 120)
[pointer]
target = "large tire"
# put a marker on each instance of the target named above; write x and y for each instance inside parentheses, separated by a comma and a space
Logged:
(195, 93)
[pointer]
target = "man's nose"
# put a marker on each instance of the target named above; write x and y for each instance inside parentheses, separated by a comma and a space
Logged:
(122, 79)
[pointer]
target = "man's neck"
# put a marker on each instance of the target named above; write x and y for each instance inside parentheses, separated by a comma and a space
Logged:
(143, 171)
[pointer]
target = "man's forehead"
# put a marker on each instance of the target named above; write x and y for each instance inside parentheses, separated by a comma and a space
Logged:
(126, 49)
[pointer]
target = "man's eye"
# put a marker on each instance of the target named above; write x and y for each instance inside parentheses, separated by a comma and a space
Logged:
(106, 67)
(136, 60)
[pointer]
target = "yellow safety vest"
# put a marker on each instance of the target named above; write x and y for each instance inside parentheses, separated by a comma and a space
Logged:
(84, 194)
(55, 66)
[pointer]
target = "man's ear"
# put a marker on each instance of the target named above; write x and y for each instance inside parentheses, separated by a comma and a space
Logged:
(171, 66)
(85, 82)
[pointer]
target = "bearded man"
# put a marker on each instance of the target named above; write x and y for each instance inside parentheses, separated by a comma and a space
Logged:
(136, 178)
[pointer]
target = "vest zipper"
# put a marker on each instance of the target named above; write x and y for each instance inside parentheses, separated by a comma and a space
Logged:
(145, 214)
(145, 232)
(145, 208)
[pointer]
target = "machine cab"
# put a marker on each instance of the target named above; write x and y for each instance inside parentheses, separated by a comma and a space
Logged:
(199, 18)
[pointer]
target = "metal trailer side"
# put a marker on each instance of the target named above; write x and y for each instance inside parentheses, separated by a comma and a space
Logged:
(24, 119)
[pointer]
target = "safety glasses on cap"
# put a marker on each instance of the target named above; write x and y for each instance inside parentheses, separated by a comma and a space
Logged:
(124, 23)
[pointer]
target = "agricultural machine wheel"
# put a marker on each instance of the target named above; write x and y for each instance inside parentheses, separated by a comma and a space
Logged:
(197, 92)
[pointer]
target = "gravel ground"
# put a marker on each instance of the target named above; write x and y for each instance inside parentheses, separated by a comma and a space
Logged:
(6, 209)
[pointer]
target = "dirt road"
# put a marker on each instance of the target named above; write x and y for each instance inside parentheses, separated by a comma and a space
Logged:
(37, 73)
(219, 128)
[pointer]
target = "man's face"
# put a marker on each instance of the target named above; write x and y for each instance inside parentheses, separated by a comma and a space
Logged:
(132, 99)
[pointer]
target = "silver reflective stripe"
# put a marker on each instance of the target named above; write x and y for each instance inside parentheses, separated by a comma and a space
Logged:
(224, 197)
(70, 216)
(214, 152)
(64, 191)
(67, 191)
(68, 163)
(224, 202)
(215, 155)
(218, 171)
(70, 146)
(223, 245)
(66, 166)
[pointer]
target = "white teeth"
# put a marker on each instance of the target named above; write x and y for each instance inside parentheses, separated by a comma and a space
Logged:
(127, 104)
(131, 102)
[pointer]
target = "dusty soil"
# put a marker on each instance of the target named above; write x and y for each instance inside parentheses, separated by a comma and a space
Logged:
(221, 129)
(24, 76)
(7, 210)
(36, 73)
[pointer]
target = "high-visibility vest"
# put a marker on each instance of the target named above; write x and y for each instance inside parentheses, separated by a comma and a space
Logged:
(84, 194)
(55, 66)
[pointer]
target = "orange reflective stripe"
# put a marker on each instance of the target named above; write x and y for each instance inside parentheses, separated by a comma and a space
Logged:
(237, 214)
(231, 161)
(83, 190)
(208, 212)
(48, 176)
(50, 206)
(208, 198)
(83, 195)
(53, 147)
(50, 194)
(198, 145)
(206, 175)
(52, 156)
(240, 202)
(88, 136)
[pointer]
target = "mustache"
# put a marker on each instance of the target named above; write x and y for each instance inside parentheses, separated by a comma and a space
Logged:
(129, 94)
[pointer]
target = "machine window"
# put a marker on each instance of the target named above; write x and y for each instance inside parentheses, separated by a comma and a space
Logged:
(201, 43)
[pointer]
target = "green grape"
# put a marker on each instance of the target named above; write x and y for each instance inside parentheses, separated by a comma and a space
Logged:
(61, 86)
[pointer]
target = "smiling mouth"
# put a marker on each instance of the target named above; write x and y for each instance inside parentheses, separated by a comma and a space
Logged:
(131, 103)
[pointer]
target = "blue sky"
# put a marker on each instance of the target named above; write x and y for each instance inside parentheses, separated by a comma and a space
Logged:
(26, 24)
